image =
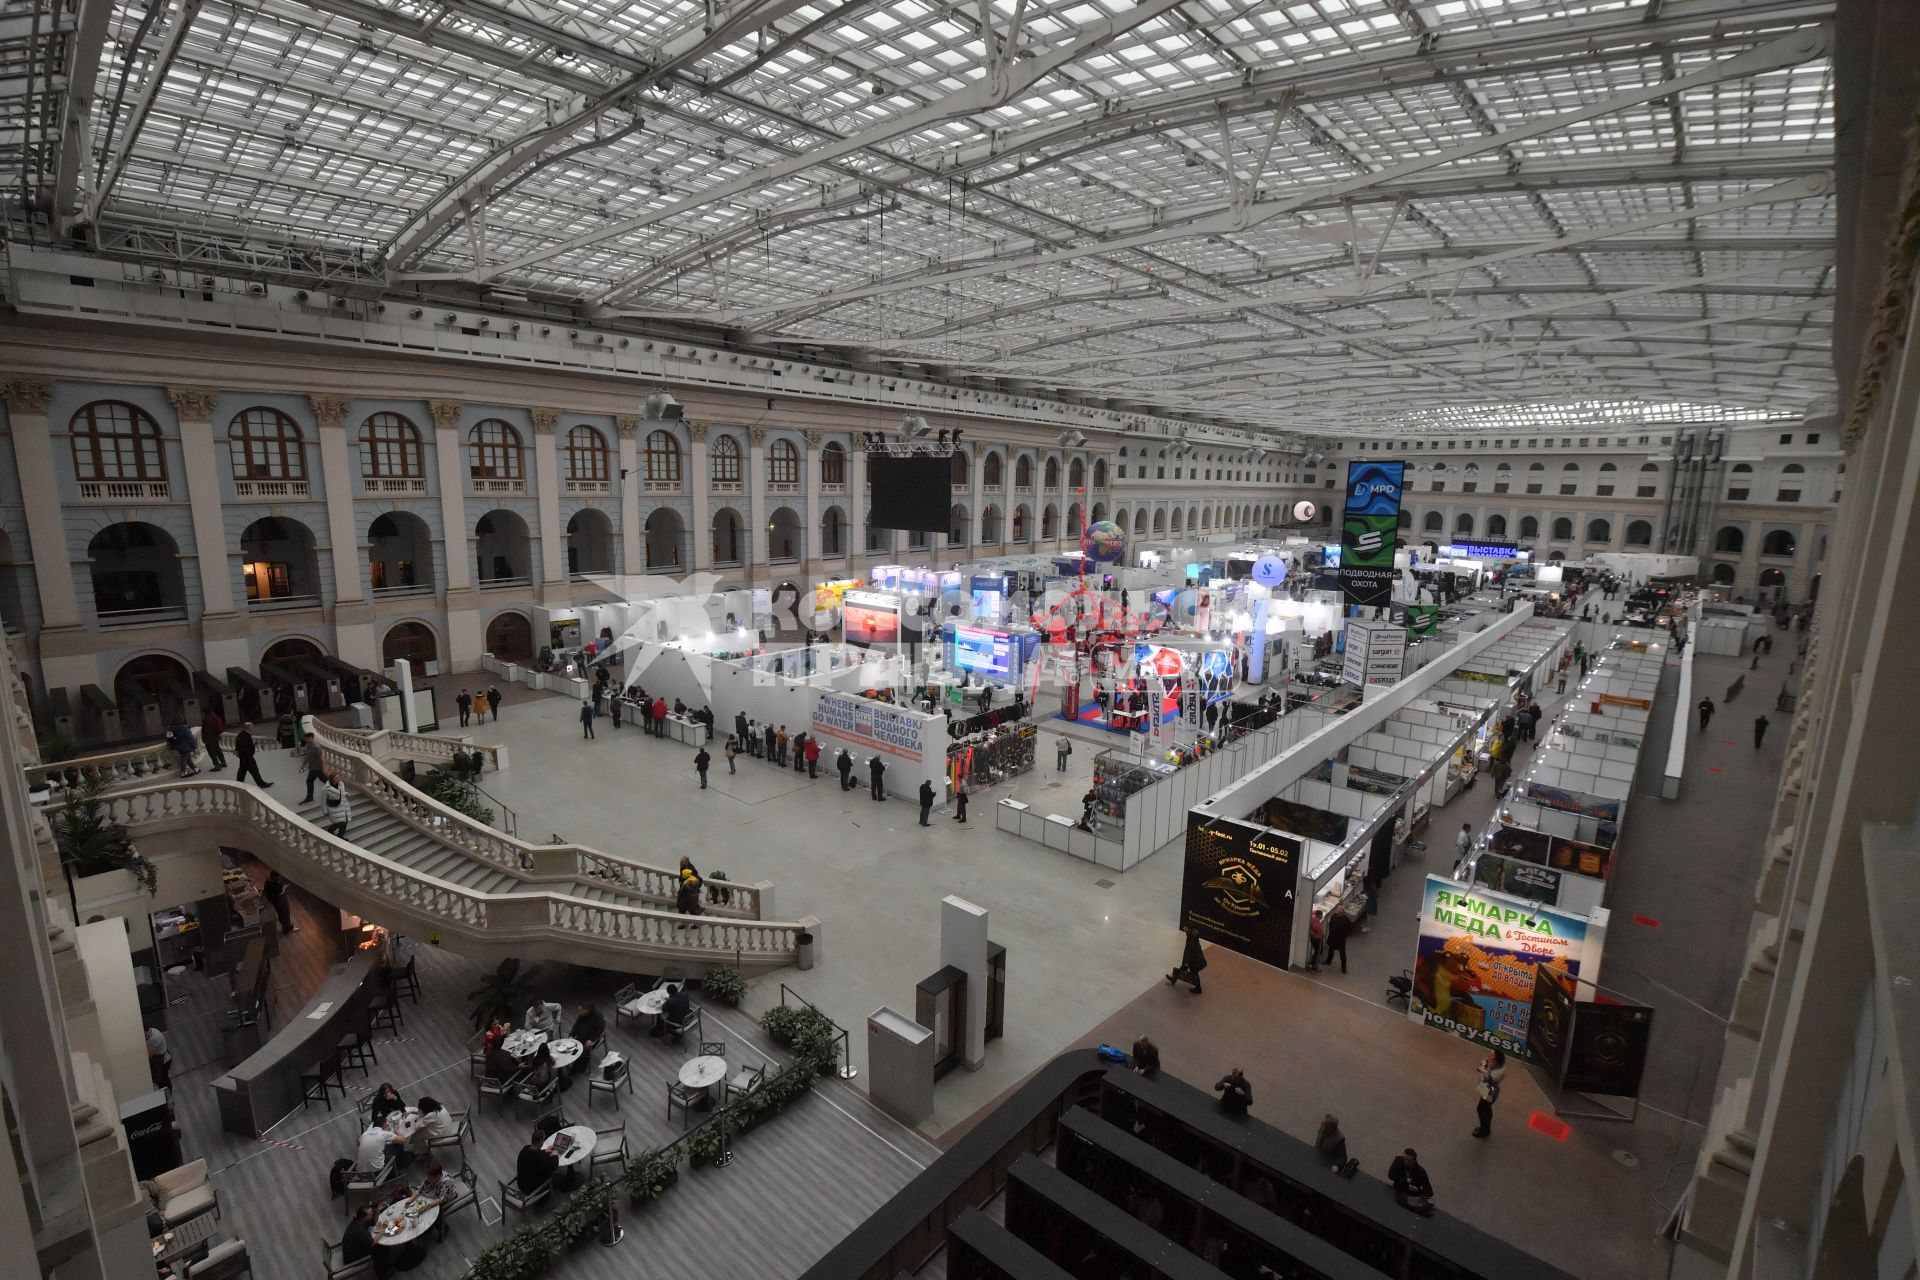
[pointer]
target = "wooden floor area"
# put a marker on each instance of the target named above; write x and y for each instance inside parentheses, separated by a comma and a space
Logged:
(798, 1183)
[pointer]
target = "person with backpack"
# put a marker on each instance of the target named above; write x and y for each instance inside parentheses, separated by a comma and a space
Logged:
(1060, 753)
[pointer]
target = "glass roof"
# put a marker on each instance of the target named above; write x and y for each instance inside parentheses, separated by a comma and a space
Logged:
(1313, 215)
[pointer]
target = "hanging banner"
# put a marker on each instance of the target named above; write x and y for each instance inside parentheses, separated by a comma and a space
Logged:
(1474, 966)
(1238, 887)
(1423, 620)
(1371, 528)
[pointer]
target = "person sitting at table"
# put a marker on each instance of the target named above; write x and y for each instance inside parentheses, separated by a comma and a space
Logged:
(539, 1066)
(589, 1028)
(436, 1188)
(357, 1244)
(385, 1103)
(679, 1005)
(501, 1065)
(435, 1122)
(497, 1030)
(535, 1168)
(544, 1016)
(377, 1147)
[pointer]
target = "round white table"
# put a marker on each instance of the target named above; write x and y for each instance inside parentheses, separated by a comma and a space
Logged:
(582, 1138)
(653, 1001)
(565, 1052)
(394, 1227)
(523, 1043)
(703, 1073)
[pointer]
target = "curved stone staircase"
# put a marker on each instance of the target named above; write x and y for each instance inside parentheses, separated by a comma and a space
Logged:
(415, 865)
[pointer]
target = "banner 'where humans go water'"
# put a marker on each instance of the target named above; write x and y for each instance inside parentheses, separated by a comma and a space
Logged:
(1371, 529)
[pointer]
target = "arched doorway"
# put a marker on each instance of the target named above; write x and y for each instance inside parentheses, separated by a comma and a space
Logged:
(664, 535)
(291, 649)
(413, 643)
(589, 542)
(727, 544)
(1723, 574)
(960, 528)
(135, 569)
(786, 539)
(503, 549)
(990, 524)
(278, 563)
(510, 637)
(151, 678)
(400, 552)
(282, 666)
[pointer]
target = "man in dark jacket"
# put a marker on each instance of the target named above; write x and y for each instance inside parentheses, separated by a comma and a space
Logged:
(586, 718)
(590, 1029)
(1236, 1094)
(535, 1168)
(844, 763)
(926, 801)
(877, 772)
(465, 703)
(357, 1244)
(212, 725)
(700, 762)
(315, 764)
(1412, 1189)
(1338, 927)
(1146, 1057)
(493, 700)
(243, 750)
(646, 714)
(771, 741)
(740, 728)
(1192, 961)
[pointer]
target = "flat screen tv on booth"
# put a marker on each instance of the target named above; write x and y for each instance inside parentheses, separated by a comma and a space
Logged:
(989, 653)
(869, 619)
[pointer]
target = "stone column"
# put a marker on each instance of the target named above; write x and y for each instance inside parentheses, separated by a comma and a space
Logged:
(756, 481)
(699, 481)
(631, 490)
(66, 648)
(546, 481)
(857, 507)
(465, 643)
(810, 487)
(222, 627)
(352, 616)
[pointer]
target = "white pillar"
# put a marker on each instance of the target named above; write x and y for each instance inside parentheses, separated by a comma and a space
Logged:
(457, 538)
(857, 504)
(546, 480)
(352, 617)
(757, 555)
(401, 673)
(222, 629)
(631, 487)
(700, 554)
(963, 944)
(810, 485)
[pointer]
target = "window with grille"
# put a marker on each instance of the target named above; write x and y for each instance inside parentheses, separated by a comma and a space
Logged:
(390, 449)
(113, 440)
(663, 458)
(497, 452)
(783, 463)
(266, 444)
(586, 456)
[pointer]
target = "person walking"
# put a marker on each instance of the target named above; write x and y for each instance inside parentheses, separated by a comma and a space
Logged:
(960, 790)
(586, 718)
(246, 752)
(926, 802)
(1463, 847)
(1192, 961)
(275, 892)
(700, 762)
(465, 703)
(1706, 713)
(877, 775)
(1492, 1070)
(1760, 724)
(844, 763)
(1061, 751)
(315, 764)
(1502, 777)
(180, 738)
(730, 750)
(1338, 927)
(493, 701)
(212, 725)
(338, 805)
(1562, 687)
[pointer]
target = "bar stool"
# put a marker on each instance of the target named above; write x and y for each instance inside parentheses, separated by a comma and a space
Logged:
(318, 1082)
(355, 1049)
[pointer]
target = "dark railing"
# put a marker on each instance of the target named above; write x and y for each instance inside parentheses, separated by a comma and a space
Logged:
(846, 1069)
(509, 822)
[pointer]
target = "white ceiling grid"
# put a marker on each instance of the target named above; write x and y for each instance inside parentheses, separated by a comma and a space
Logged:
(1193, 211)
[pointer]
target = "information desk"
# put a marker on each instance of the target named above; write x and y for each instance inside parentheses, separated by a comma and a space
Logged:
(265, 1087)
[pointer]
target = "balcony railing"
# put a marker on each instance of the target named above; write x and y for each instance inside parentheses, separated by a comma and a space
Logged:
(124, 490)
(407, 589)
(725, 486)
(833, 486)
(283, 602)
(396, 484)
(272, 489)
(588, 486)
(499, 486)
(134, 617)
(497, 584)
(783, 486)
(663, 486)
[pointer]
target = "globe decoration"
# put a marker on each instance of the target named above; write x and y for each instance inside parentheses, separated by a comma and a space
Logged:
(1104, 542)
(1269, 571)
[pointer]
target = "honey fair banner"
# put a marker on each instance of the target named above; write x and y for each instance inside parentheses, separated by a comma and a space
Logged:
(1474, 968)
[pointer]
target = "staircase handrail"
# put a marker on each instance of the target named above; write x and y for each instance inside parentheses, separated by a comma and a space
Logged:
(380, 886)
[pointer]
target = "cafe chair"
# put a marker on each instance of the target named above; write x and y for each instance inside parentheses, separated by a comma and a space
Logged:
(467, 1195)
(680, 1029)
(539, 1094)
(685, 1098)
(492, 1087)
(626, 1004)
(463, 1125)
(340, 1270)
(609, 1147)
(182, 1194)
(713, 1048)
(745, 1080)
(613, 1074)
(368, 1184)
(225, 1261)
(511, 1197)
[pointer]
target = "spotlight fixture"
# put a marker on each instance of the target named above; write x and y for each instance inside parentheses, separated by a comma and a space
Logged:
(662, 407)
(940, 441)
(913, 426)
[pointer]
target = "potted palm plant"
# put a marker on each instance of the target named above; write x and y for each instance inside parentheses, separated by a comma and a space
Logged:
(502, 993)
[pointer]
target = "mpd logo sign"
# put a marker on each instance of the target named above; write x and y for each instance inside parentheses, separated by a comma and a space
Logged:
(1369, 531)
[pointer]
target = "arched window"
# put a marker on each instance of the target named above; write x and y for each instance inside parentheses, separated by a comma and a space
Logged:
(497, 451)
(586, 456)
(1100, 473)
(115, 441)
(783, 463)
(1778, 542)
(1406, 518)
(1639, 533)
(1608, 466)
(1599, 531)
(663, 459)
(1052, 474)
(992, 473)
(1731, 539)
(1742, 469)
(1496, 526)
(724, 462)
(1529, 526)
(390, 449)
(962, 470)
(1463, 523)
(833, 465)
(1023, 473)
(265, 444)
(833, 532)
(1433, 522)
(1563, 530)
(1537, 467)
(1571, 466)
(1793, 469)
(1076, 474)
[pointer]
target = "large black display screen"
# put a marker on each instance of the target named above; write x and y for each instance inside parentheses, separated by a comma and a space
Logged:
(1238, 887)
(912, 492)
